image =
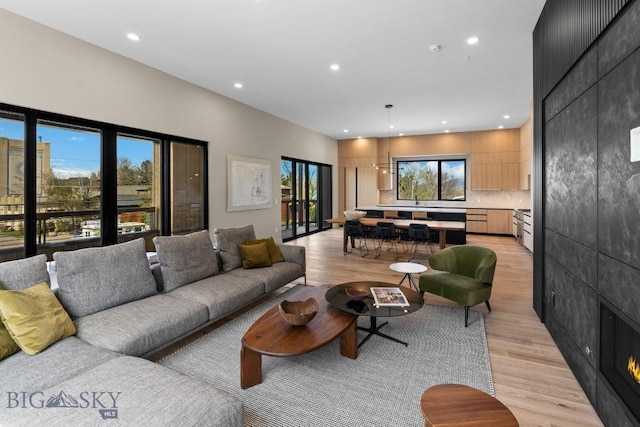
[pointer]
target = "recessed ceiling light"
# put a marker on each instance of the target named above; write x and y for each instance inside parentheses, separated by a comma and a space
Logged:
(335, 67)
(444, 122)
(392, 127)
(401, 134)
(133, 36)
(473, 40)
(506, 116)
(446, 131)
(346, 130)
(501, 127)
(237, 85)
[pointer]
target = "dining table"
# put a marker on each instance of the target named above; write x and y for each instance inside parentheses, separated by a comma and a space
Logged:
(441, 226)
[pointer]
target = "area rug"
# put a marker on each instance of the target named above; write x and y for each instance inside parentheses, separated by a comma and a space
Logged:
(382, 387)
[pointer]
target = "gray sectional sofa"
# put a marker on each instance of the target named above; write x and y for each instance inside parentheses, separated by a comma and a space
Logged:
(124, 309)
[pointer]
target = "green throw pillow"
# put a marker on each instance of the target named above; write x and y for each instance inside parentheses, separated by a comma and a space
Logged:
(274, 251)
(254, 256)
(7, 345)
(35, 318)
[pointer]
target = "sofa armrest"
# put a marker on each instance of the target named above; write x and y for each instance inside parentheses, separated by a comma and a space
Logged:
(295, 254)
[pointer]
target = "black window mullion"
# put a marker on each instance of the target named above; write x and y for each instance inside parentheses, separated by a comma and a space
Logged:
(165, 185)
(109, 186)
(205, 187)
(439, 179)
(30, 194)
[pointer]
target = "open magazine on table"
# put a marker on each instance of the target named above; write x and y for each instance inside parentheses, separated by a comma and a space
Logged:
(389, 297)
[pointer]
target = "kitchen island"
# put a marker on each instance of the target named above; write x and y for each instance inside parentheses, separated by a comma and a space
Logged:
(444, 228)
(456, 237)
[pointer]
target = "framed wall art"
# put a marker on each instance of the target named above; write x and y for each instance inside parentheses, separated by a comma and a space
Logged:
(248, 183)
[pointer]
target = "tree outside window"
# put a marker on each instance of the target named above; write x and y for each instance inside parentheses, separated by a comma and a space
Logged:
(431, 180)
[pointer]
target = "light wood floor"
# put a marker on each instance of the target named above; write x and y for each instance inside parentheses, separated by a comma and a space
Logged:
(530, 376)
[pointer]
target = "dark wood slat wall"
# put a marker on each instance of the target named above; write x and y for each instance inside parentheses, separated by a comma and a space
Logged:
(586, 98)
(565, 30)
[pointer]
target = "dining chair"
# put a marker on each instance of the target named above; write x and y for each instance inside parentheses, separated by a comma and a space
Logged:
(355, 233)
(419, 234)
(385, 232)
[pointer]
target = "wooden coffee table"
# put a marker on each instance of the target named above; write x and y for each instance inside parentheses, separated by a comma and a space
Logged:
(272, 336)
(456, 405)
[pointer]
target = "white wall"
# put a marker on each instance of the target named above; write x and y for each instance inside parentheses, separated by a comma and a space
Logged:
(47, 70)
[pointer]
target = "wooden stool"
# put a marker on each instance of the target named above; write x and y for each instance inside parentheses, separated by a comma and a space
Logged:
(454, 405)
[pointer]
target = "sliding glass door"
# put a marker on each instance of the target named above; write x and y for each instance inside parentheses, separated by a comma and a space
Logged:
(306, 197)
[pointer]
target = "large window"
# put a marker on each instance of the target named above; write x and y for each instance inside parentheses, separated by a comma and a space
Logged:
(138, 177)
(68, 194)
(423, 180)
(68, 183)
(187, 187)
(12, 185)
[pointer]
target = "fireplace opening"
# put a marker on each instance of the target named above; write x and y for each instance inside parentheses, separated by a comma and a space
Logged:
(620, 356)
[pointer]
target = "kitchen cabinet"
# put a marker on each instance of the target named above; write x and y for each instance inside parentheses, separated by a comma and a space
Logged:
(489, 221)
(495, 176)
(499, 221)
(476, 221)
(385, 179)
(527, 230)
(495, 160)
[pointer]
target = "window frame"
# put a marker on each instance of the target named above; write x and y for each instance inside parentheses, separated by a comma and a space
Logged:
(439, 160)
(108, 170)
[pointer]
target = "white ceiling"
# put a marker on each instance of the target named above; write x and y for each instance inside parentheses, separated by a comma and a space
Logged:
(281, 51)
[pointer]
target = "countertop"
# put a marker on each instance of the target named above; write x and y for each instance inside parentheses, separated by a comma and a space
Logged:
(420, 208)
(410, 208)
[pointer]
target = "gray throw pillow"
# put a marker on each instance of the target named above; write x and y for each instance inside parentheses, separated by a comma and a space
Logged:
(185, 259)
(24, 273)
(227, 241)
(94, 279)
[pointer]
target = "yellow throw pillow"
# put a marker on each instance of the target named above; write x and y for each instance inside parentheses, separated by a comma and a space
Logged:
(7, 345)
(35, 318)
(274, 251)
(254, 256)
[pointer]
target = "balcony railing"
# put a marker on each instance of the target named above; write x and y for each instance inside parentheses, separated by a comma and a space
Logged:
(64, 230)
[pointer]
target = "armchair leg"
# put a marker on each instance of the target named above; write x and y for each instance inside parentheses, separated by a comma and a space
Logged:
(488, 306)
(466, 316)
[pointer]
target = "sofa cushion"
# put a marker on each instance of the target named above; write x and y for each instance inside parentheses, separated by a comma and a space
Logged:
(185, 259)
(274, 277)
(222, 294)
(62, 360)
(94, 279)
(227, 241)
(134, 392)
(142, 326)
(23, 273)
(274, 251)
(255, 255)
(34, 318)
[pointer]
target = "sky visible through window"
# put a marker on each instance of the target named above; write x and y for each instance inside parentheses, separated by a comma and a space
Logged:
(75, 152)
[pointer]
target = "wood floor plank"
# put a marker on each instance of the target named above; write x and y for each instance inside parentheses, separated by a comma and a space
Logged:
(530, 376)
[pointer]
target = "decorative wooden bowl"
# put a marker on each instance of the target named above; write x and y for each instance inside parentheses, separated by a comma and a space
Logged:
(298, 313)
(355, 294)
